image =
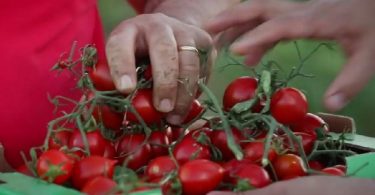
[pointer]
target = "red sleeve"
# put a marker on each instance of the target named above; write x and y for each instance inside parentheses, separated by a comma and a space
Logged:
(138, 5)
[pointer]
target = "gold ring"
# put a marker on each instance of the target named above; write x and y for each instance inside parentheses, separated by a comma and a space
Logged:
(189, 48)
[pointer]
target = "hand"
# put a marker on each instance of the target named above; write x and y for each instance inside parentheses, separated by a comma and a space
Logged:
(262, 23)
(175, 73)
(313, 185)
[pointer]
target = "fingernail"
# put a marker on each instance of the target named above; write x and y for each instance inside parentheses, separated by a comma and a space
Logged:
(126, 83)
(336, 102)
(165, 105)
(174, 119)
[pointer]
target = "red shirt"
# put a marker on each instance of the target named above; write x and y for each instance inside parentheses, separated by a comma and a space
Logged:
(33, 35)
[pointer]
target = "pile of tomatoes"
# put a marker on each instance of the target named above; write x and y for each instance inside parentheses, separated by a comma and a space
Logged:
(114, 143)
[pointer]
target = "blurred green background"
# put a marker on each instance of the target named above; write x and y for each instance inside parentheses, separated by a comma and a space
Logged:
(325, 64)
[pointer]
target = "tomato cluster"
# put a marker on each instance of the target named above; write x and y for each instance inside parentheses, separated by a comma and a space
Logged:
(119, 143)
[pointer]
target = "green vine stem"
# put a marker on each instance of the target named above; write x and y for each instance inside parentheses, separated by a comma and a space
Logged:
(231, 142)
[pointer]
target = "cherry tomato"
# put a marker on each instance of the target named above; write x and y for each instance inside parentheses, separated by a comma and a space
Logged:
(132, 148)
(316, 165)
(288, 105)
(341, 167)
(255, 175)
(101, 77)
(189, 149)
(109, 151)
(231, 167)
(59, 139)
(333, 171)
(253, 151)
(195, 110)
(142, 103)
(289, 166)
(309, 124)
(95, 141)
(159, 143)
(308, 142)
(159, 167)
(239, 90)
(219, 139)
(91, 167)
(54, 166)
(99, 186)
(110, 118)
(200, 176)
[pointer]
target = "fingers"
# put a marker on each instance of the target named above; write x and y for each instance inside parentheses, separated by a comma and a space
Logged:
(353, 77)
(121, 59)
(165, 69)
(296, 25)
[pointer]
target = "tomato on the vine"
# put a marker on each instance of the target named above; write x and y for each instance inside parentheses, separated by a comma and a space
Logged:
(289, 166)
(239, 90)
(309, 124)
(59, 139)
(91, 167)
(134, 151)
(109, 117)
(195, 110)
(189, 149)
(95, 139)
(55, 166)
(99, 186)
(200, 176)
(159, 143)
(316, 165)
(333, 171)
(159, 167)
(109, 150)
(253, 151)
(308, 141)
(101, 77)
(341, 167)
(143, 104)
(254, 174)
(288, 105)
(219, 139)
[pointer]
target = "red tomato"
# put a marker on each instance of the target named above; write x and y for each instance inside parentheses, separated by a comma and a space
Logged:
(54, 166)
(219, 139)
(253, 151)
(333, 171)
(256, 175)
(142, 103)
(195, 110)
(309, 124)
(200, 176)
(231, 167)
(289, 166)
(288, 105)
(308, 142)
(94, 138)
(159, 143)
(239, 90)
(189, 149)
(99, 186)
(176, 132)
(91, 167)
(110, 118)
(159, 167)
(101, 77)
(25, 170)
(59, 139)
(109, 151)
(341, 167)
(132, 148)
(316, 165)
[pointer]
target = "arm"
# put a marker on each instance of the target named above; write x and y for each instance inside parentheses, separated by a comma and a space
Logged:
(159, 34)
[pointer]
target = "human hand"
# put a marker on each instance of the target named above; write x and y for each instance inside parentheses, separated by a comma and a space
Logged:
(312, 185)
(262, 23)
(175, 72)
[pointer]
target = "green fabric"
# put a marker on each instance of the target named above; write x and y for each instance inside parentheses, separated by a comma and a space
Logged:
(151, 192)
(361, 166)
